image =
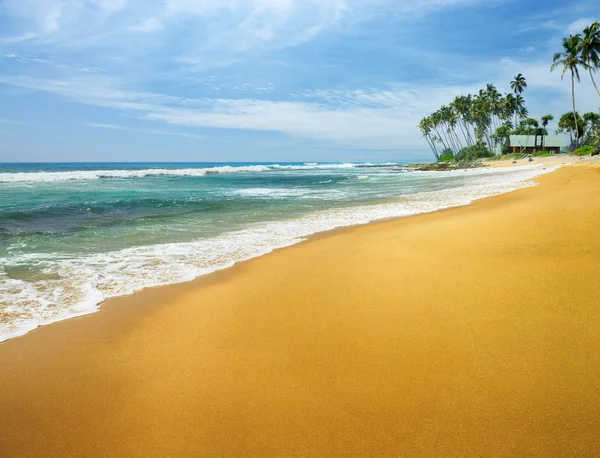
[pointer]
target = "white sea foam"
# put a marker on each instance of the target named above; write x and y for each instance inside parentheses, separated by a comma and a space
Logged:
(75, 285)
(47, 177)
(275, 193)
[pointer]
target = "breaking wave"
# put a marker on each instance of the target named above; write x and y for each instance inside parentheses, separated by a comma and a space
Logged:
(48, 177)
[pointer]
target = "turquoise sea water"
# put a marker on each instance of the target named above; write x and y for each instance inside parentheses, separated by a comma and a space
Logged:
(72, 235)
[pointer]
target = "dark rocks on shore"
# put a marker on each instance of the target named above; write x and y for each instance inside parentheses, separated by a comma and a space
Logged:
(445, 166)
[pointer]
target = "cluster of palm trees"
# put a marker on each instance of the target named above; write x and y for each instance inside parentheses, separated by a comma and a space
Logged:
(580, 51)
(482, 119)
(487, 119)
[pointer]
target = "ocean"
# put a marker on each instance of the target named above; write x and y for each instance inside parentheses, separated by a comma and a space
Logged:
(72, 235)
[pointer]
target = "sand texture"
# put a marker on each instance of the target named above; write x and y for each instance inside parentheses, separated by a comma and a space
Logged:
(468, 332)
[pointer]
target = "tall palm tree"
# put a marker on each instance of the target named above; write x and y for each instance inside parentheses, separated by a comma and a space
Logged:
(510, 107)
(519, 84)
(520, 110)
(426, 127)
(523, 113)
(570, 60)
(483, 119)
(460, 107)
(590, 49)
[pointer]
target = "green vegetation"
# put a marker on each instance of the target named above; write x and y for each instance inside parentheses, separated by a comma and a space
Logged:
(572, 124)
(579, 51)
(517, 156)
(546, 119)
(482, 121)
(478, 126)
(591, 129)
(528, 126)
(518, 85)
(507, 157)
(584, 151)
(590, 50)
(570, 61)
(471, 153)
(447, 157)
(581, 130)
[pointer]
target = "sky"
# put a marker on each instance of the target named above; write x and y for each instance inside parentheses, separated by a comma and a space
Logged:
(264, 80)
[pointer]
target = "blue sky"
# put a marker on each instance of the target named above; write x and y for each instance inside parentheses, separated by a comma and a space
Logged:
(263, 80)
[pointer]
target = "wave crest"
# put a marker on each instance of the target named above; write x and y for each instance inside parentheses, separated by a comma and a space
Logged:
(48, 177)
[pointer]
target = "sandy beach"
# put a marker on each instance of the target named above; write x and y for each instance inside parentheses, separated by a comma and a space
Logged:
(473, 331)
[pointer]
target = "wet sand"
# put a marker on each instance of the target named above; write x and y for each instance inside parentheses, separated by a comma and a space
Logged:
(468, 332)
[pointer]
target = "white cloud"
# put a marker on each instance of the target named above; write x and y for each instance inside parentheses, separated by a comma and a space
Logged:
(233, 27)
(109, 6)
(206, 29)
(375, 119)
(36, 19)
(546, 92)
(13, 123)
(199, 34)
(578, 25)
(51, 20)
(378, 118)
(144, 131)
(150, 25)
(14, 39)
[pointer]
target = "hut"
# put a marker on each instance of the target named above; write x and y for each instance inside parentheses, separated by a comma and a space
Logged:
(530, 143)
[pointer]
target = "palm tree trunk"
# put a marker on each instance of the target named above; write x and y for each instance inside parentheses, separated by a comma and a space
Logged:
(457, 139)
(432, 146)
(574, 112)
(460, 124)
(592, 77)
(441, 138)
(469, 134)
(451, 140)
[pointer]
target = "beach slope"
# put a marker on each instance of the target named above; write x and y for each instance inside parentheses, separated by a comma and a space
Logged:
(468, 332)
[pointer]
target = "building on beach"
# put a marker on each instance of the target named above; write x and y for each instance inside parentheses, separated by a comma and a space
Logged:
(531, 143)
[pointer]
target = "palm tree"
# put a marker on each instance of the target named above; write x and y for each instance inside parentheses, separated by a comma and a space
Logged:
(510, 107)
(523, 112)
(460, 107)
(519, 84)
(592, 124)
(570, 60)
(426, 126)
(545, 120)
(520, 110)
(483, 119)
(590, 49)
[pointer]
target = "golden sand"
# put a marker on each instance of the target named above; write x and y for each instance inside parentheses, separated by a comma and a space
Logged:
(558, 159)
(468, 332)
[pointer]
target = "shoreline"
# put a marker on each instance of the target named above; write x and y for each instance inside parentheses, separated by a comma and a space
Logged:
(304, 237)
(454, 332)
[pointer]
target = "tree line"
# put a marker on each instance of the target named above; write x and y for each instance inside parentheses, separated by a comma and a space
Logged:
(478, 125)
(580, 51)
